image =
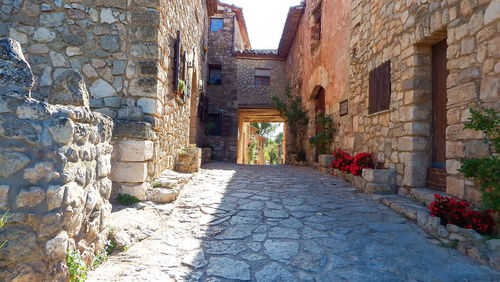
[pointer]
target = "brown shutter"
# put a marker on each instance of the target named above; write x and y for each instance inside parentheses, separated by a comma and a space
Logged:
(177, 60)
(226, 125)
(385, 79)
(372, 95)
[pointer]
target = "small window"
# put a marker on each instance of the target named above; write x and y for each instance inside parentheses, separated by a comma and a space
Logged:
(216, 24)
(214, 124)
(263, 77)
(380, 88)
(215, 75)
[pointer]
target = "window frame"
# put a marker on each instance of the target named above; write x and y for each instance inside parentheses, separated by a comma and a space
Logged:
(217, 131)
(221, 26)
(260, 79)
(211, 68)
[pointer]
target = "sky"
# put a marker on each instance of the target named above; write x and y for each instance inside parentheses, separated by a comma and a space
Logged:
(265, 20)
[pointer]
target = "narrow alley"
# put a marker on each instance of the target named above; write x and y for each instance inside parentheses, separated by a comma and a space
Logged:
(284, 223)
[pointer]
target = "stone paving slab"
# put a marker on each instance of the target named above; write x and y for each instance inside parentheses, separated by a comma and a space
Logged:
(282, 223)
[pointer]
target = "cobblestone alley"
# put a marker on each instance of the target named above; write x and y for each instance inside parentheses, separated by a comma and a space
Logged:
(284, 223)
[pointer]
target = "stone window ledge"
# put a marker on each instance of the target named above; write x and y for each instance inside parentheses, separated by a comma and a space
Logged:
(379, 113)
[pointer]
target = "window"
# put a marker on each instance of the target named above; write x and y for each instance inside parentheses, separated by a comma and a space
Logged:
(216, 24)
(214, 124)
(380, 88)
(263, 77)
(316, 19)
(215, 75)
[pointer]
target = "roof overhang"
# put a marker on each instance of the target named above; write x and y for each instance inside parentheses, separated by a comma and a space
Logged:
(290, 29)
(212, 7)
(241, 22)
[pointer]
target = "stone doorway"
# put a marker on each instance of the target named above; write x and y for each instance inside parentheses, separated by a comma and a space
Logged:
(259, 115)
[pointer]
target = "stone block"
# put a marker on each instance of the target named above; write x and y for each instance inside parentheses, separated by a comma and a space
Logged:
(492, 12)
(387, 176)
(61, 130)
(69, 89)
(413, 144)
(125, 172)
(101, 89)
(164, 195)
(12, 162)
(146, 17)
(30, 197)
(16, 73)
(135, 150)
(4, 197)
(150, 106)
(110, 43)
(103, 166)
(138, 191)
(54, 196)
(145, 50)
(326, 160)
(455, 187)
(57, 246)
(133, 129)
(74, 195)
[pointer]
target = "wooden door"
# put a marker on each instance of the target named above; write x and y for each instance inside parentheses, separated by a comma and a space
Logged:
(320, 105)
(439, 100)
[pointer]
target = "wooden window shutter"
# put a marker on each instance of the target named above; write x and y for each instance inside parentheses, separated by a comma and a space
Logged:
(226, 125)
(177, 60)
(372, 95)
(379, 88)
(385, 81)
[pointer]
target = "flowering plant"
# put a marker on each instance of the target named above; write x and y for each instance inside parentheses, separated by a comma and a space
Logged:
(459, 213)
(354, 165)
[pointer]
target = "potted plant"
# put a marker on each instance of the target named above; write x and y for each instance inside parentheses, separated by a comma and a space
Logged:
(182, 87)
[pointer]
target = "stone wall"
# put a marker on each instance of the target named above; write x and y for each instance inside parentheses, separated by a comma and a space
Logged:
(54, 168)
(126, 52)
(250, 94)
(223, 98)
(403, 32)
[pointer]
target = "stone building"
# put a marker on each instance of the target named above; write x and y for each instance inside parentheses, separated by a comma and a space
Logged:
(239, 79)
(399, 78)
(132, 54)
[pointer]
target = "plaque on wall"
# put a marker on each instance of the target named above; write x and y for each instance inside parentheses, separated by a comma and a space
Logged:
(344, 108)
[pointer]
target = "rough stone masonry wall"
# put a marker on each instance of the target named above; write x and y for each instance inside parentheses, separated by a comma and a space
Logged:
(403, 32)
(145, 147)
(125, 51)
(54, 168)
(259, 95)
(223, 98)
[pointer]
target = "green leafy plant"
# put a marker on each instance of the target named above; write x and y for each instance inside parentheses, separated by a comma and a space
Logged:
(156, 184)
(3, 220)
(486, 170)
(127, 200)
(252, 150)
(76, 266)
(294, 115)
(182, 86)
(109, 247)
(324, 137)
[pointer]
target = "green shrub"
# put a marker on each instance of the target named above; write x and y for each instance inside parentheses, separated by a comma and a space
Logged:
(486, 170)
(324, 137)
(127, 200)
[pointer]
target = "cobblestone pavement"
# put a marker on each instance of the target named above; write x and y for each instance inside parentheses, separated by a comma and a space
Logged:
(234, 222)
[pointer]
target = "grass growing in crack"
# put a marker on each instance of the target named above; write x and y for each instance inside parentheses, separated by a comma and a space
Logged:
(127, 200)
(3, 220)
(156, 184)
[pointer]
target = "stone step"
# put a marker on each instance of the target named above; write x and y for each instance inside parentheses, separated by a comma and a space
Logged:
(424, 195)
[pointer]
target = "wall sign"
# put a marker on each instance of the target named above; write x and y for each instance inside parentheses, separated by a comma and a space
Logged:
(344, 108)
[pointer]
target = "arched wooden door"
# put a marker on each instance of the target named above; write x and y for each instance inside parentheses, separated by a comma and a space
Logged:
(320, 104)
